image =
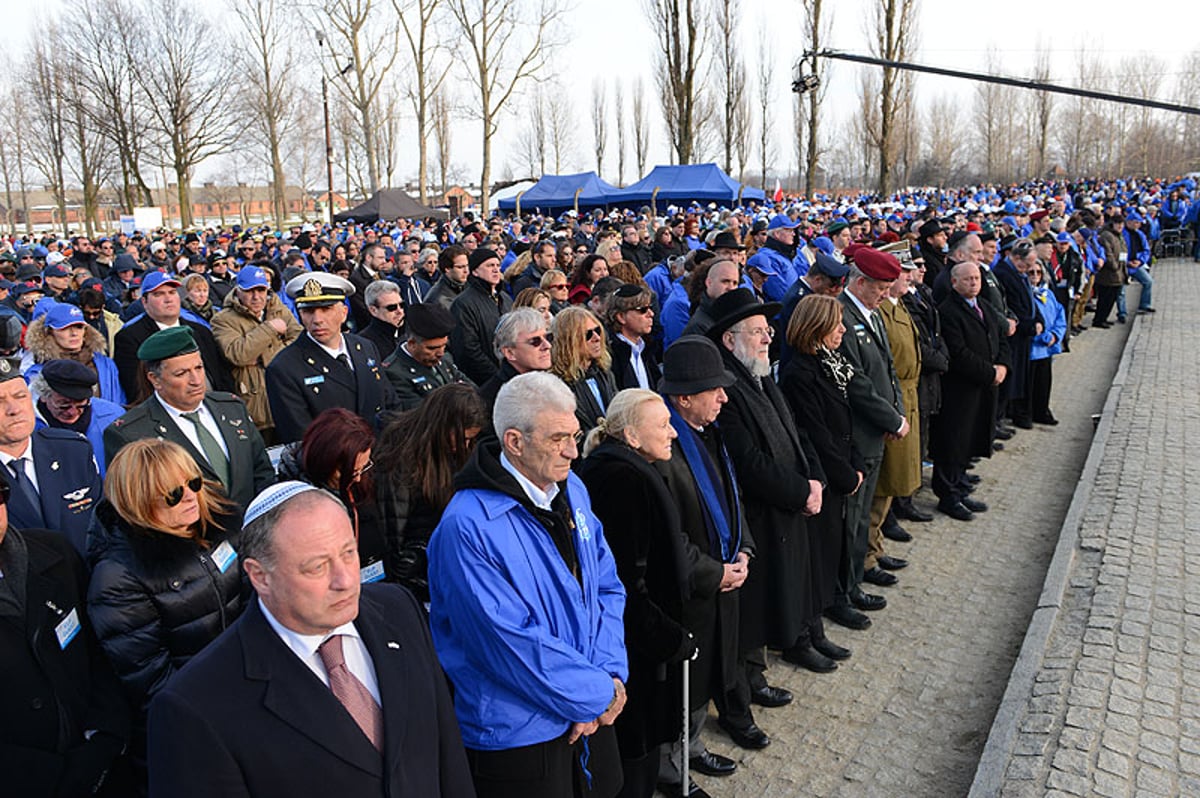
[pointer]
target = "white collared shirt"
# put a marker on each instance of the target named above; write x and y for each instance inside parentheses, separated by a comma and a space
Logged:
(540, 498)
(162, 326)
(639, 368)
(358, 659)
(333, 353)
(189, 429)
(27, 461)
(861, 307)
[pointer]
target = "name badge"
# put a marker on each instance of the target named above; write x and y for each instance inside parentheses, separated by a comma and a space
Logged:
(1123, 257)
(67, 629)
(417, 380)
(317, 380)
(371, 573)
(223, 555)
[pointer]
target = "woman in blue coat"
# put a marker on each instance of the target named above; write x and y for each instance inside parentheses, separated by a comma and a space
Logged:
(1046, 345)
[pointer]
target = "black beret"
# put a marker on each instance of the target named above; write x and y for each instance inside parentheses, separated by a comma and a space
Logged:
(70, 378)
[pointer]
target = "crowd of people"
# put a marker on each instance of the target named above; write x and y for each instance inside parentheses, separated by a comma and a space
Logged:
(598, 451)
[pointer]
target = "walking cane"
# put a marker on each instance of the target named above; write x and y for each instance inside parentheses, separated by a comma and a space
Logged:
(683, 754)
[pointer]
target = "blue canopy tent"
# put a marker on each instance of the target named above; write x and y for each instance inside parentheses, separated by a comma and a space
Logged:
(679, 185)
(556, 193)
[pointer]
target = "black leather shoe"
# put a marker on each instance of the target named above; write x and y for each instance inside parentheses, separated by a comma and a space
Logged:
(911, 512)
(769, 697)
(956, 510)
(750, 737)
(848, 617)
(1049, 421)
(867, 601)
(974, 505)
(1103, 325)
(831, 649)
(1004, 433)
(889, 563)
(673, 791)
(974, 479)
(896, 532)
(997, 446)
(880, 577)
(1023, 423)
(711, 764)
(809, 658)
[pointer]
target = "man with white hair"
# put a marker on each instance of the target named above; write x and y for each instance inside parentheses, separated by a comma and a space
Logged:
(526, 606)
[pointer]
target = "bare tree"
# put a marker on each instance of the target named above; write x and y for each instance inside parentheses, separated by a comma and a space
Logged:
(560, 127)
(766, 99)
(1043, 110)
(387, 133)
(14, 135)
(429, 65)
(439, 120)
(532, 141)
(368, 36)
(599, 122)
(45, 84)
(89, 150)
(188, 87)
(641, 127)
(268, 69)
(679, 33)
(731, 75)
(508, 43)
(893, 37)
(817, 27)
(622, 125)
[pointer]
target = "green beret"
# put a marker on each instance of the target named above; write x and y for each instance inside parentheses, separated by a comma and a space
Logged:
(168, 343)
(836, 226)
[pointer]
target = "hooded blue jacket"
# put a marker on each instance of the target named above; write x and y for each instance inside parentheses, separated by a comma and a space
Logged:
(530, 648)
(1054, 324)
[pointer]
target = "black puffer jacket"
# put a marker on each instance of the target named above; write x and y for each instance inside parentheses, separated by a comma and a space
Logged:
(156, 600)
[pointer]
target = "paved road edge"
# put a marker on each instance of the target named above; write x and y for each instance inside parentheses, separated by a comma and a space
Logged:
(993, 762)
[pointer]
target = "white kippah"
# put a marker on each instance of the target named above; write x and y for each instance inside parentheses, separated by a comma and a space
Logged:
(272, 497)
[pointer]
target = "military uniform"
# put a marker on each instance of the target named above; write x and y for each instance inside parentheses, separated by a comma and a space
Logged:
(250, 468)
(303, 380)
(68, 486)
(412, 381)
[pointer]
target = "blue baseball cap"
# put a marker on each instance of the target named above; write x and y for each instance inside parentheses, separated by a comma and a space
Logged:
(63, 314)
(782, 220)
(156, 280)
(1064, 238)
(1133, 216)
(252, 277)
(56, 270)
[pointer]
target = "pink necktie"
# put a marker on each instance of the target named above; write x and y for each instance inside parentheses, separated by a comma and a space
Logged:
(353, 694)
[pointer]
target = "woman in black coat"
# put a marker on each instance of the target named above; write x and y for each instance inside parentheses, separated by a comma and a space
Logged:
(814, 384)
(642, 528)
(165, 575)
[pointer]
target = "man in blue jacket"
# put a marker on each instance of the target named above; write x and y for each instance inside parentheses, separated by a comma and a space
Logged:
(526, 607)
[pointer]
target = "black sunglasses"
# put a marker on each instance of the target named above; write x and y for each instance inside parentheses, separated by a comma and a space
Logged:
(392, 308)
(594, 333)
(175, 495)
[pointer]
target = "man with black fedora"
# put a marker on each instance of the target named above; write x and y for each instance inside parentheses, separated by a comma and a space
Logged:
(932, 238)
(325, 367)
(877, 412)
(782, 484)
(701, 480)
(421, 364)
(213, 426)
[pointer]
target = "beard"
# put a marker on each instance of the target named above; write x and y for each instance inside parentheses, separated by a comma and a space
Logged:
(747, 354)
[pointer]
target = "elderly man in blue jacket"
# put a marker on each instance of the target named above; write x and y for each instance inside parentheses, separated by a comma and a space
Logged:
(526, 607)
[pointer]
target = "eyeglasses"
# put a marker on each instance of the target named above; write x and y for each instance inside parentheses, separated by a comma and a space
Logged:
(594, 333)
(642, 309)
(757, 332)
(537, 340)
(560, 439)
(64, 403)
(392, 308)
(358, 472)
(175, 495)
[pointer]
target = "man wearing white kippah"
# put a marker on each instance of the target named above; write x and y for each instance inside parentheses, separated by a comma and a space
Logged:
(322, 687)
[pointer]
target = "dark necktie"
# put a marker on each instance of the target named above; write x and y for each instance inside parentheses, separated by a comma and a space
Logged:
(344, 359)
(212, 450)
(353, 694)
(877, 326)
(23, 486)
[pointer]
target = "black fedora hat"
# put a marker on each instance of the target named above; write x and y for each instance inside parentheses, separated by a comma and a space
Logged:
(740, 303)
(692, 365)
(725, 240)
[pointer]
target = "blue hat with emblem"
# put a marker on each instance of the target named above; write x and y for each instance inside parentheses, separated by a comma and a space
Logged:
(62, 314)
(252, 277)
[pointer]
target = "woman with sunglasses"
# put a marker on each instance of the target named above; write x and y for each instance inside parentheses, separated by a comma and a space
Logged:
(554, 283)
(579, 356)
(336, 454)
(165, 576)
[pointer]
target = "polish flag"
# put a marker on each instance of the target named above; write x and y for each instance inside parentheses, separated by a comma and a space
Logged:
(778, 195)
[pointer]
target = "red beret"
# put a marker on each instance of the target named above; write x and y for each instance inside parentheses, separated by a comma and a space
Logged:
(877, 265)
(1039, 214)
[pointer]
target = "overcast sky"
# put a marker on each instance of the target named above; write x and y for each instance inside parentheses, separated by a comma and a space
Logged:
(611, 40)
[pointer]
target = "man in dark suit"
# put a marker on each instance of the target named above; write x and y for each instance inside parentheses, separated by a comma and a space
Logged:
(325, 367)
(214, 427)
(326, 687)
(876, 408)
(979, 357)
(53, 474)
(421, 364)
(63, 719)
(373, 266)
(160, 302)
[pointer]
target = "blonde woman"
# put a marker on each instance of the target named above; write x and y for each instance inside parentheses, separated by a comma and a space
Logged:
(580, 358)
